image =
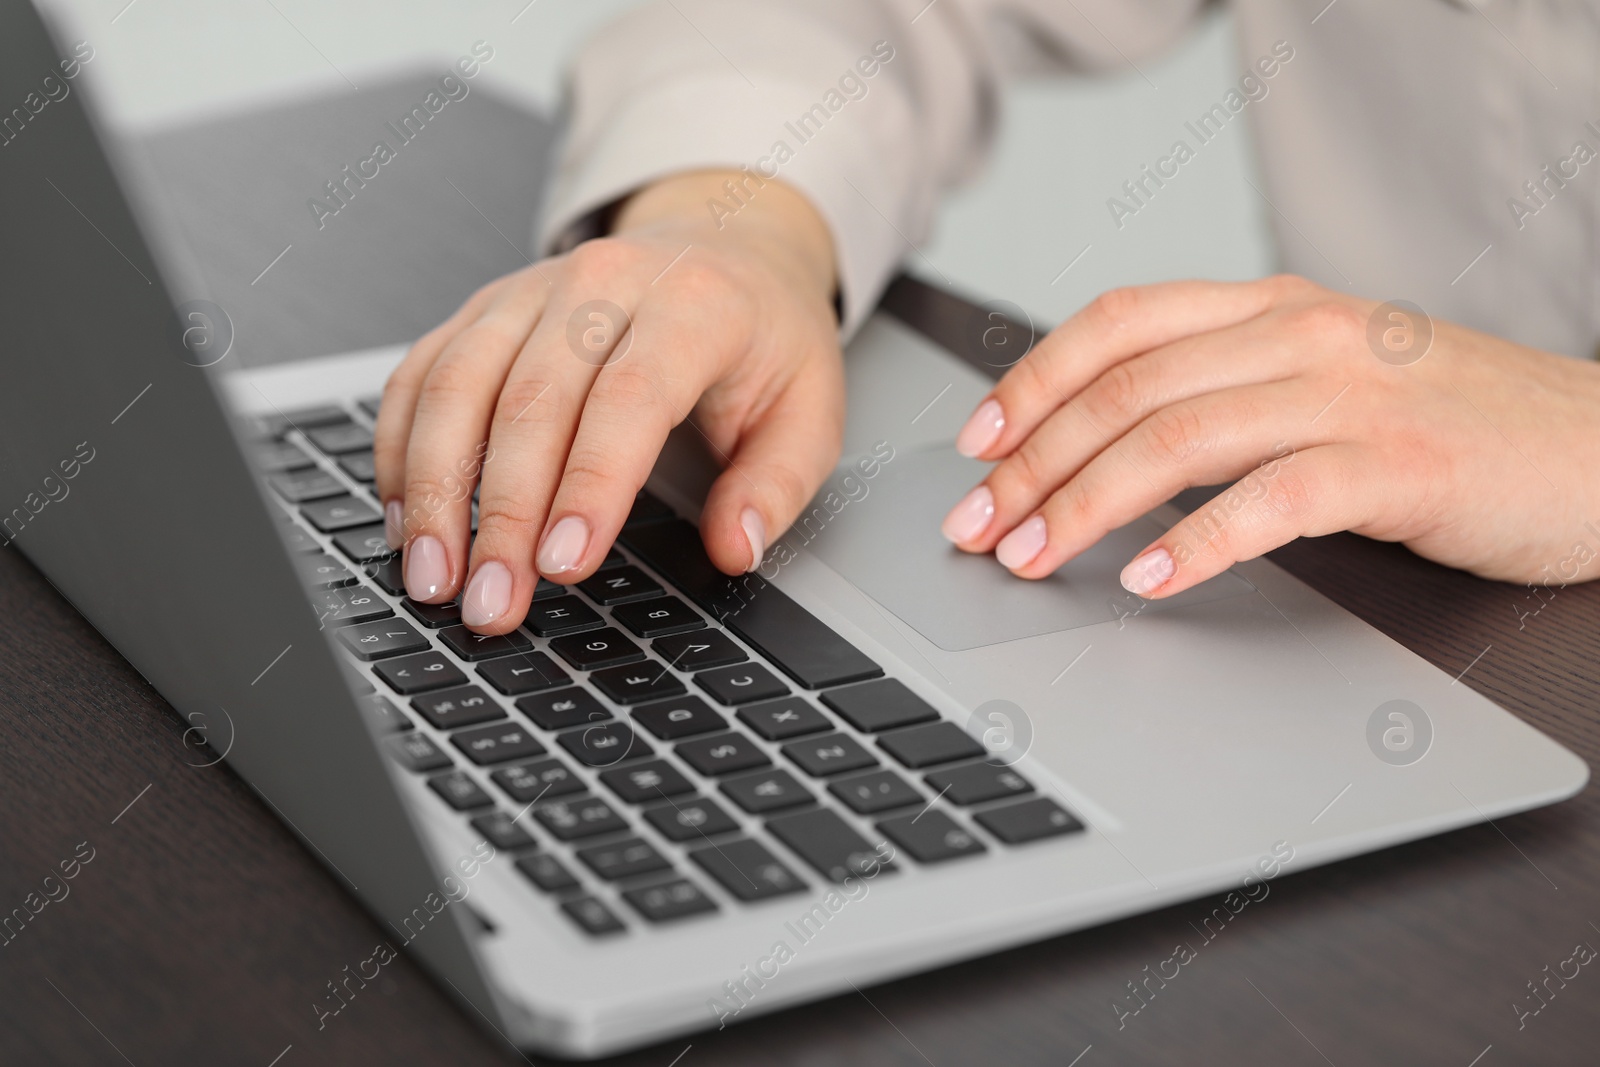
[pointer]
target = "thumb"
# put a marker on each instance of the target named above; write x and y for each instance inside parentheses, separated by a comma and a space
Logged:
(776, 468)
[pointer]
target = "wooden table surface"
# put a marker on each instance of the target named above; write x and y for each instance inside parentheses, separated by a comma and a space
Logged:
(201, 932)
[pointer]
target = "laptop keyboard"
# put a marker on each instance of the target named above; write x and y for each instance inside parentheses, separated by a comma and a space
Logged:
(657, 730)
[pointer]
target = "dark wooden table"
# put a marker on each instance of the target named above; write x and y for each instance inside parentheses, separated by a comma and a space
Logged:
(201, 931)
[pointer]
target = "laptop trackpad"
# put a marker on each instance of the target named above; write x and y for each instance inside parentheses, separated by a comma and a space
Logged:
(887, 543)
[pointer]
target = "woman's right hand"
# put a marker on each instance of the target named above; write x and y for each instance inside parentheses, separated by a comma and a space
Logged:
(529, 389)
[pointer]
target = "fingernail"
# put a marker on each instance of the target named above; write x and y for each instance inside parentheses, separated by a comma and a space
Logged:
(563, 546)
(1148, 572)
(427, 569)
(968, 519)
(982, 430)
(1018, 548)
(488, 595)
(392, 523)
(755, 532)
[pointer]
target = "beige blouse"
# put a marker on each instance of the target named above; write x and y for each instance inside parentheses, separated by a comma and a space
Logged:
(1445, 152)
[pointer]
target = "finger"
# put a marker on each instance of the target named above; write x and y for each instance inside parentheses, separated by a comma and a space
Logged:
(449, 431)
(634, 403)
(777, 467)
(1117, 325)
(1106, 409)
(399, 403)
(1322, 491)
(1194, 442)
(532, 430)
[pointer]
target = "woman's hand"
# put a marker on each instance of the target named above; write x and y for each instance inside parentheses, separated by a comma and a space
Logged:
(560, 409)
(1474, 451)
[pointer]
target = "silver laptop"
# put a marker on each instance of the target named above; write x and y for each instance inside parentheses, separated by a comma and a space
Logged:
(674, 800)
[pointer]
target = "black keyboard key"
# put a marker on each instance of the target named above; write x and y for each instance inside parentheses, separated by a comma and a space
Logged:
(661, 616)
(564, 615)
(638, 683)
(496, 744)
(419, 673)
(978, 782)
(433, 616)
(358, 683)
(684, 717)
(573, 819)
(527, 673)
(274, 456)
(690, 820)
(829, 754)
(363, 544)
(698, 651)
(880, 705)
(677, 899)
(460, 791)
(823, 839)
(295, 538)
(618, 585)
(597, 649)
(722, 754)
(742, 684)
(628, 858)
(279, 423)
(341, 437)
(777, 720)
(868, 794)
(359, 466)
(498, 828)
(462, 705)
(648, 508)
(764, 616)
(748, 870)
(381, 713)
(593, 916)
(931, 743)
(605, 744)
(349, 604)
(339, 513)
(501, 831)
(641, 783)
(548, 590)
(312, 483)
(322, 570)
(417, 752)
(387, 573)
(613, 559)
(381, 639)
(563, 708)
(369, 404)
(1028, 820)
(546, 872)
(766, 791)
(473, 647)
(931, 836)
(537, 779)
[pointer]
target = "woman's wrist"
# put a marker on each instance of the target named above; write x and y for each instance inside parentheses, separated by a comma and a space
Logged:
(767, 215)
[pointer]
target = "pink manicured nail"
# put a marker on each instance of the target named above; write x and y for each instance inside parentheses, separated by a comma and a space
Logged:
(1148, 572)
(755, 532)
(968, 519)
(1018, 548)
(564, 546)
(488, 595)
(427, 569)
(982, 430)
(393, 521)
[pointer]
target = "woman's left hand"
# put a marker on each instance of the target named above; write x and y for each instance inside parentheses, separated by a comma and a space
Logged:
(1335, 413)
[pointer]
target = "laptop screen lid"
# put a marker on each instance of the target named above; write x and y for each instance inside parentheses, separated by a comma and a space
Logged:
(122, 481)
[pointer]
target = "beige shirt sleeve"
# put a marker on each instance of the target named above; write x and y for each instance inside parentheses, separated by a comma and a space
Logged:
(871, 108)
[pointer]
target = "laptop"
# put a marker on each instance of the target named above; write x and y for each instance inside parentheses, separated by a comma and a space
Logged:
(675, 800)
